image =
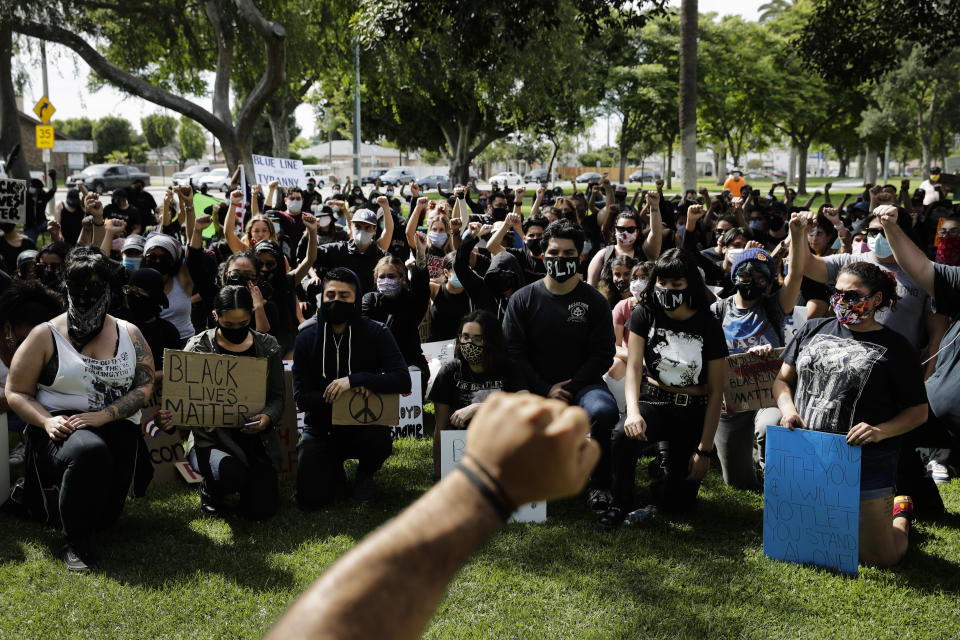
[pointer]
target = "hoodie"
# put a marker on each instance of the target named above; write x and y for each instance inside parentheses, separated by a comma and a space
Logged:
(486, 292)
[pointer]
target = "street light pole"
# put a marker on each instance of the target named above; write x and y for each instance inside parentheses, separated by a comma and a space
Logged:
(46, 92)
(356, 108)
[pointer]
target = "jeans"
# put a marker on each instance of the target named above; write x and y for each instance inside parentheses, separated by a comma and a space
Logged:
(677, 431)
(321, 454)
(225, 474)
(603, 413)
(94, 468)
(735, 445)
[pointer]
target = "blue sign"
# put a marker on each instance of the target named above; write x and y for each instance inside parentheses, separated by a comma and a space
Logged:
(811, 499)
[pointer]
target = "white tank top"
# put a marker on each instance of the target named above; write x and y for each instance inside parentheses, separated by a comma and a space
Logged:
(178, 313)
(87, 384)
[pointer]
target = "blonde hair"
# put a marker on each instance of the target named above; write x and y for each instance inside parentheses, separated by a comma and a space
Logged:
(259, 218)
(391, 261)
(448, 245)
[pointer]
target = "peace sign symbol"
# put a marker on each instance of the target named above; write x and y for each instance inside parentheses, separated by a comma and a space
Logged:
(366, 409)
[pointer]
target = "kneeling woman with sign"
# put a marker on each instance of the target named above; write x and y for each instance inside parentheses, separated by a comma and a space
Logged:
(243, 460)
(852, 375)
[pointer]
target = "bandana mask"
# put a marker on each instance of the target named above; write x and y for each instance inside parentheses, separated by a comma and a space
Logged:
(85, 316)
(472, 353)
(626, 237)
(948, 251)
(850, 312)
(637, 286)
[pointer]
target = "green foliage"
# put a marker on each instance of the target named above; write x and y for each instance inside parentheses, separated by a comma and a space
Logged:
(159, 129)
(77, 128)
(608, 157)
(193, 141)
(112, 133)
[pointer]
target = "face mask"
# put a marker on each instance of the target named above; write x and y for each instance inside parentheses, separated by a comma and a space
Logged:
(237, 279)
(500, 213)
(637, 286)
(336, 210)
(880, 247)
(337, 311)
(437, 238)
(163, 264)
(757, 226)
(836, 244)
(85, 315)
(561, 268)
(750, 290)
(776, 223)
(860, 247)
(140, 309)
(311, 187)
(32, 190)
(472, 353)
(671, 299)
(294, 206)
(732, 255)
(234, 336)
(131, 264)
(389, 287)
(850, 312)
(389, 193)
(324, 221)
(50, 276)
(626, 237)
(948, 251)
(533, 246)
(362, 238)
(621, 285)
(454, 281)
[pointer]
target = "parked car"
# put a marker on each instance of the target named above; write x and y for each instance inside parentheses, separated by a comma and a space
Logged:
(539, 175)
(371, 178)
(430, 182)
(397, 175)
(589, 176)
(643, 175)
(778, 174)
(192, 172)
(507, 179)
(107, 177)
(215, 179)
(753, 175)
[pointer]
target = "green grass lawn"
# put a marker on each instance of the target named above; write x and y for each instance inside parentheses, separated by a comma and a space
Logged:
(165, 571)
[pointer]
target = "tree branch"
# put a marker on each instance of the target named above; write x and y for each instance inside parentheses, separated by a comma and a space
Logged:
(223, 32)
(274, 71)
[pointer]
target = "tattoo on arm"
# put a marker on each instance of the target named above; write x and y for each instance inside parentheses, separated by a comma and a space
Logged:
(142, 387)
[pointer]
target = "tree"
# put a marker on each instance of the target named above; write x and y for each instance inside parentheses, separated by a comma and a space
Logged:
(688, 94)
(193, 143)
(645, 97)
(159, 130)
(9, 113)
(773, 8)
(77, 128)
(112, 133)
(169, 59)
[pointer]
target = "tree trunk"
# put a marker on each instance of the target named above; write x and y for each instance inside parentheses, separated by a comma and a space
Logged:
(792, 167)
(870, 166)
(9, 114)
(623, 167)
(278, 116)
(668, 178)
(844, 165)
(719, 164)
(801, 150)
(688, 94)
(861, 164)
(553, 158)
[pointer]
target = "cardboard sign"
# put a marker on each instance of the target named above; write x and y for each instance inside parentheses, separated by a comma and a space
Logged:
(353, 409)
(411, 410)
(187, 473)
(288, 172)
(290, 426)
(811, 499)
(436, 354)
(13, 201)
(749, 382)
(452, 445)
(212, 390)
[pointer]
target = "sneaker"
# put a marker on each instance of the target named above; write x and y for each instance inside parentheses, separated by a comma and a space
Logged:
(209, 505)
(939, 472)
(74, 560)
(365, 488)
(639, 516)
(599, 500)
(610, 519)
(17, 455)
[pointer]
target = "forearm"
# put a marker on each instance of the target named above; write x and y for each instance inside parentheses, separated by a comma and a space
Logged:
(655, 238)
(106, 246)
(261, 323)
(905, 421)
(783, 394)
(27, 407)
(910, 258)
(131, 402)
(400, 572)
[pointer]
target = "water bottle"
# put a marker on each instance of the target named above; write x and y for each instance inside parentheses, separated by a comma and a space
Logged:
(639, 516)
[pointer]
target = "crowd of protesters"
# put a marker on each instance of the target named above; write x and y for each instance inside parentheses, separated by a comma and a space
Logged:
(627, 309)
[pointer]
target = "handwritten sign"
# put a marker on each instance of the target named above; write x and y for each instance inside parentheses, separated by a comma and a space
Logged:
(288, 172)
(187, 473)
(436, 354)
(452, 445)
(749, 383)
(411, 410)
(212, 390)
(13, 201)
(811, 499)
(353, 408)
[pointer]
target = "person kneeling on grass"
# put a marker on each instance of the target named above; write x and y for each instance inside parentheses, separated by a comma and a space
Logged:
(336, 351)
(478, 369)
(852, 375)
(246, 460)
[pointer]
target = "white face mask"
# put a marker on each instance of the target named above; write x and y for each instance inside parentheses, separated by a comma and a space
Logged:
(293, 206)
(324, 221)
(362, 238)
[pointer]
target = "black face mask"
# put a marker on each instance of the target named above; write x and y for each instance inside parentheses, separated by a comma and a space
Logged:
(533, 246)
(775, 223)
(141, 309)
(750, 290)
(237, 279)
(234, 336)
(500, 213)
(163, 264)
(482, 202)
(561, 268)
(338, 311)
(671, 299)
(51, 276)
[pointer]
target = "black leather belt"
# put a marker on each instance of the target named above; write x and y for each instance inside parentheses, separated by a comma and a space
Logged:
(669, 397)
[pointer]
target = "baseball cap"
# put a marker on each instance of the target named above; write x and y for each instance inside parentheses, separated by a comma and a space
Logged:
(365, 215)
(133, 243)
(26, 256)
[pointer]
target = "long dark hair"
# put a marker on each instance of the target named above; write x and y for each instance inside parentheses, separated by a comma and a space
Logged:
(494, 343)
(875, 279)
(673, 265)
(606, 285)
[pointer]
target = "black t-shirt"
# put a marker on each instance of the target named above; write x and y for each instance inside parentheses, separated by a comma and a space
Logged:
(9, 253)
(458, 386)
(677, 351)
(813, 290)
(847, 377)
(130, 215)
(160, 334)
(445, 313)
(942, 386)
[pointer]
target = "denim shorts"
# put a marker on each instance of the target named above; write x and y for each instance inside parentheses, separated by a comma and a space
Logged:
(878, 472)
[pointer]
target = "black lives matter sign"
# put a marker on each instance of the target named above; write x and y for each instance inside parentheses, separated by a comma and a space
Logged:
(13, 201)
(213, 390)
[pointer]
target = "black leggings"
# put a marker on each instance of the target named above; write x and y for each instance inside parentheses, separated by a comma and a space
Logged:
(255, 479)
(322, 451)
(94, 468)
(677, 431)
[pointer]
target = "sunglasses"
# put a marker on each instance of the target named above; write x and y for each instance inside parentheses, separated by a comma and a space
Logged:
(625, 229)
(953, 233)
(873, 233)
(850, 297)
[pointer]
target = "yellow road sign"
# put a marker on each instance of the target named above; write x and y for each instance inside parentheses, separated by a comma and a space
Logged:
(44, 136)
(44, 110)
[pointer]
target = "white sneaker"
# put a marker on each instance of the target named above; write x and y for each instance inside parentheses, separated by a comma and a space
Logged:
(938, 472)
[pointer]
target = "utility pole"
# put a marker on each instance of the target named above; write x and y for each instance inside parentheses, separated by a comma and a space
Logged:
(886, 161)
(46, 92)
(356, 109)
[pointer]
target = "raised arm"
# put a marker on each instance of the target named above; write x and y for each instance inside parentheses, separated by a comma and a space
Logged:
(387, 236)
(651, 246)
(826, 194)
(302, 269)
(798, 247)
(495, 243)
(255, 200)
(908, 255)
(112, 228)
(414, 221)
(186, 207)
(230, 224)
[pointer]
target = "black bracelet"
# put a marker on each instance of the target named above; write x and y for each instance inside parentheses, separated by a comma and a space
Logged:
(498, 505)
(702, 454)
(496, 483)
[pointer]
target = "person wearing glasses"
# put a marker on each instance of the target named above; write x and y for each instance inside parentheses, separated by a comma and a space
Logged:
(627, 232)
(478, 369)
(851, 375)
(913, 315)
